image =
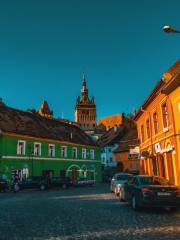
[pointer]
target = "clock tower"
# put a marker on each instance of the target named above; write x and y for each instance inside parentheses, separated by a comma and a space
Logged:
(85, 110)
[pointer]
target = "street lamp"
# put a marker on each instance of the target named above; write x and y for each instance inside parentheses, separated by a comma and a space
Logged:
(169, 29)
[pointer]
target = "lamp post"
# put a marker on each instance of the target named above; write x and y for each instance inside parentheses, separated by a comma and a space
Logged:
(169, 29)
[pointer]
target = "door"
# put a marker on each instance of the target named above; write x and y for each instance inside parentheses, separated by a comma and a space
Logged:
(74, 175)
(170, 167)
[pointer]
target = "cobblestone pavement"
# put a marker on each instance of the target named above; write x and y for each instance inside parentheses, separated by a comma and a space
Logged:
(81, 213)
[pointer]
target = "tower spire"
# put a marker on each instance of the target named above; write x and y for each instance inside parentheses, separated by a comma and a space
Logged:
(84, 80)
(84, 90)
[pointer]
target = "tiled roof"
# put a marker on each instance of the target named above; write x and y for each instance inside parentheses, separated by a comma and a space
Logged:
(127, 131)
(32, 124)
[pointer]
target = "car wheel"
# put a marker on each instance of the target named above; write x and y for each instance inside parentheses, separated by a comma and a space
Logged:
(120, 196)
(64, 186)
(134, 203)
(116, 191)
(42, 187)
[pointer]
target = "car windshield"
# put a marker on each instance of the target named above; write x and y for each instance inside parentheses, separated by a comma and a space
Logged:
(123, 177)
(153, 181)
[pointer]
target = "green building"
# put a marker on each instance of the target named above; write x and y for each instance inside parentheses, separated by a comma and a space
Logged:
(34, 145)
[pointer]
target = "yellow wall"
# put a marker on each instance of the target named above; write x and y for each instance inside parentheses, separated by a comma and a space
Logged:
(175, 101)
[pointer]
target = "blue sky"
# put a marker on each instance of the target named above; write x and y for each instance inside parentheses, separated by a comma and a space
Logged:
(46, 45)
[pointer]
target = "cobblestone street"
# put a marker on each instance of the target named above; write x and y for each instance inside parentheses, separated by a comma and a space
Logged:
(81, 213)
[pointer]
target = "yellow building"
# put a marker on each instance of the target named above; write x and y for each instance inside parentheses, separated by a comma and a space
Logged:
(158, 124)
(172, 90)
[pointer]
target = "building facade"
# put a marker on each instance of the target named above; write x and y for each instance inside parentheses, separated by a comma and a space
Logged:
(85, 110)
(159, 128)
(111, 121)
(127, 157)
(32, 145)
(107, 157)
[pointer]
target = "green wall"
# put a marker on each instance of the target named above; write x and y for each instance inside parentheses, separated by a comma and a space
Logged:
(12, 161)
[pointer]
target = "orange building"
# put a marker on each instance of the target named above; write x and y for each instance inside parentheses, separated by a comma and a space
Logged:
(158, 124)
(111, 121)
(127, 157)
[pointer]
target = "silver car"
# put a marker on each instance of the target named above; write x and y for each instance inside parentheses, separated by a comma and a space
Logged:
(117, 182)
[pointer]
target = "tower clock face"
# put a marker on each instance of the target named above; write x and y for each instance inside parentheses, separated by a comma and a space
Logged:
(86, 112)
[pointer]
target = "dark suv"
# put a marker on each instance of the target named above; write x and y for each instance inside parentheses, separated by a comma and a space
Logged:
(32, 182)
(63, 182)
(3, 185)
(43, 183)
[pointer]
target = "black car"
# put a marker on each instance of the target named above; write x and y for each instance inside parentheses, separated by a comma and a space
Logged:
(31, 182)
(3, 185)
(146, 191)
(84, 182)
(63, 182)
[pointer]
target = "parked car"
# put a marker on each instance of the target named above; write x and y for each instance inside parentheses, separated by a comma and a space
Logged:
(64, 182)
(42, 183)
(31, 182)
(147, 191)
(84, 182)
(117, 182)
(3, 185)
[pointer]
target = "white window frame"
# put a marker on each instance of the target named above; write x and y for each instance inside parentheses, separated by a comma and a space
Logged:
(37, 143)
(148, 120)
(65, 152)
(53, 151)
(24, 147)
(165, 129)
(74, 148)
(155, 111)
(92, 154)
(84, 153)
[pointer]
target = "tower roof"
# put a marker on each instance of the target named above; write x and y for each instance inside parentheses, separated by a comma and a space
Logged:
(45, 110)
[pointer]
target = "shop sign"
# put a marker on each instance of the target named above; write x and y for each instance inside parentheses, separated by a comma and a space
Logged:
(157, 147)
(168, 149)
(134, 150)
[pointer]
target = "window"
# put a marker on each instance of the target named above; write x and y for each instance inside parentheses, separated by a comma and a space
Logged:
(92, 154)
(63, 151)
(142, 133)
(109, 149)
(164, 115)
(51, 150)
(155, 120)
(84, 153)
(37, 149)
(74, 152)
(148, 128)
(21, 145)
